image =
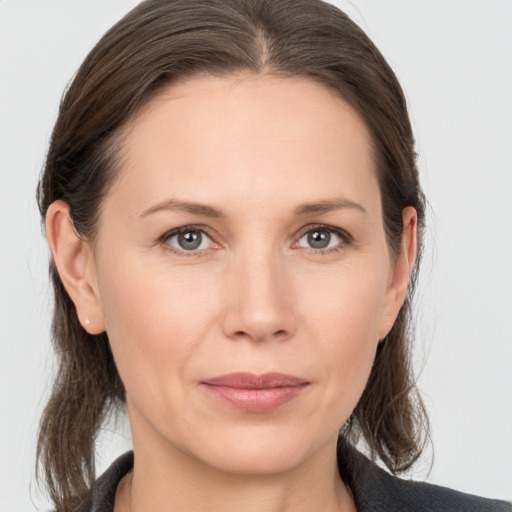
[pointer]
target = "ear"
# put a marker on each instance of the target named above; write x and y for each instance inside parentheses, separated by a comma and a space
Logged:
(401, 272)
(74, 261)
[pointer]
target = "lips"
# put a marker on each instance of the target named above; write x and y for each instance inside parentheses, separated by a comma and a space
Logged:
(255, 393)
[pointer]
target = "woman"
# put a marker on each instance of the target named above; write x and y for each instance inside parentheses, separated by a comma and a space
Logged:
(235, 218)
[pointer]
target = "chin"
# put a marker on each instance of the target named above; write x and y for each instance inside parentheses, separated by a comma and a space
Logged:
(259, 452)
(255, 461)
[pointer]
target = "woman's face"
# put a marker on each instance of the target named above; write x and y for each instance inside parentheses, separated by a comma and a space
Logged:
(244, 235)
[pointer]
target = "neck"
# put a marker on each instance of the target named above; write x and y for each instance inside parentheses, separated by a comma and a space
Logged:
(171, 480)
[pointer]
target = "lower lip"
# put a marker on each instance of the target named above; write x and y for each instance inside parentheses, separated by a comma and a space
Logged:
(255, 400)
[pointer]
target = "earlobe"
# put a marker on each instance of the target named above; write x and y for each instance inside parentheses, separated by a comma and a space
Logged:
(397, 290)
(73, 260)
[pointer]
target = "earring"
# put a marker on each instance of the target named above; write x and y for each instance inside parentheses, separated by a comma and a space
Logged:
(87, 321)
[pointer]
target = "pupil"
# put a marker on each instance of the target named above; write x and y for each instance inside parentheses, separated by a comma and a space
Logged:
(319, 239)
(190, 240)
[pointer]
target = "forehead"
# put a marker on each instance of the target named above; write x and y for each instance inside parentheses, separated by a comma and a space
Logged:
(245, 136)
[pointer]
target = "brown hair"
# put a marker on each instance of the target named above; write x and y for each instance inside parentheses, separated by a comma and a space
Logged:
(156, 44)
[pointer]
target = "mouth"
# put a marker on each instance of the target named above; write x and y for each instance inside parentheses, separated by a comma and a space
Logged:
(255, 393)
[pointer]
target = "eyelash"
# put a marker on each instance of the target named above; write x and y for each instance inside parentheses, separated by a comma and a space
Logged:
(164, 239)
(345, 238)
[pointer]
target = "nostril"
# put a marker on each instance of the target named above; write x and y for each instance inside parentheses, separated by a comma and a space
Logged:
(242, 334)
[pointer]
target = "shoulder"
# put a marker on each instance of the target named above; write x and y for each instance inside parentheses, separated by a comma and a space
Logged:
(102, 495)
(376, 489)
(393, 493)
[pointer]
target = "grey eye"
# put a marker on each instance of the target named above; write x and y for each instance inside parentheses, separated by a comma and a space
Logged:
(189, 240)
(319, 239)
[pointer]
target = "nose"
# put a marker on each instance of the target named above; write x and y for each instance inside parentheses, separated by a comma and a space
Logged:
(259, 304)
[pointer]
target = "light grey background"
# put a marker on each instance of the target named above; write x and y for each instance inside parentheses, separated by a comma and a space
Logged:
(454, 59)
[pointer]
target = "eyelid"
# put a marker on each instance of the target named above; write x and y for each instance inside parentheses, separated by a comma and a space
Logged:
(341, 233)
(346, 237)
(205, 230)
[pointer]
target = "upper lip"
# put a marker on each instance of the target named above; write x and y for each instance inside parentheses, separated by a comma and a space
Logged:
(243, 380)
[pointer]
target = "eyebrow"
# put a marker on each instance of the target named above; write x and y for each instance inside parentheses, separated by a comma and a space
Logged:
(195, 208)
(327, 206)
(210, 211)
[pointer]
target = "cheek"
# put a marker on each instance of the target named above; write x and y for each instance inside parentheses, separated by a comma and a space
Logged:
(347, 303)
(344, 318)
(155, 320)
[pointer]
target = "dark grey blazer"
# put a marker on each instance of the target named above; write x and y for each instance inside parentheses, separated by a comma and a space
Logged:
(374, 489)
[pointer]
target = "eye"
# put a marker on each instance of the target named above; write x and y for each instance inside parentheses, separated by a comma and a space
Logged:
(188, 239)
(322, 238)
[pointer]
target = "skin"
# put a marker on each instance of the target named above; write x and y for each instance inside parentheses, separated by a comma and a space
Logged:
(254, 297)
